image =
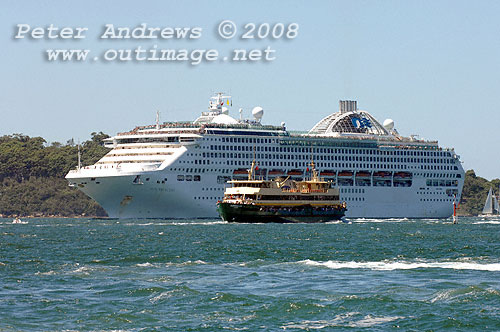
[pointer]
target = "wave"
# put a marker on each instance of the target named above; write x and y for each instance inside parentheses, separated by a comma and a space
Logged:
(470, 292)
(493, 222)
(147, 264)
(160, 265)
(48, 273)
(163, 296)
(403, 265)
(387, 220)
(176, 223)
(343, 320)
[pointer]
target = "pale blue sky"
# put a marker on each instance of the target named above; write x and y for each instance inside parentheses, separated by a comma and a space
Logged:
(432, 66)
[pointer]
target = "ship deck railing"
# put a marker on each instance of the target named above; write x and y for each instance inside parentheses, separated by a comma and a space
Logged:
(200, 127)
(305, 191)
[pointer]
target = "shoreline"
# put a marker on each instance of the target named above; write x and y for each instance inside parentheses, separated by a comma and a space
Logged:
(106, 217)
(52, 217)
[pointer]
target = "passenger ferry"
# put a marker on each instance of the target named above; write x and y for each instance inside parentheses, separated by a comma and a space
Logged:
(281, 200)
(180, 169)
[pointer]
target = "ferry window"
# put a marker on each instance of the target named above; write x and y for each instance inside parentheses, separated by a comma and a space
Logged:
(180, 177)
(189, 178)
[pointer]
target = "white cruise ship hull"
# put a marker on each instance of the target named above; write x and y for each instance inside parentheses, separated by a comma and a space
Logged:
(123, 199)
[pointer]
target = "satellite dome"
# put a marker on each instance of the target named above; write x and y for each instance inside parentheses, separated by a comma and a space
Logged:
(225, 110)
(224, 119)
(388, 124)
(258, 112)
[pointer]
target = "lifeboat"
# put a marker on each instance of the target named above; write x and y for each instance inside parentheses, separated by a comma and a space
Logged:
(260, 171)
(240, 171)
(276, 172)
(296, 172)
(363, 174)
(403, 175)
(346, 173)
(328, 172)
(382, 174)
(403, 179)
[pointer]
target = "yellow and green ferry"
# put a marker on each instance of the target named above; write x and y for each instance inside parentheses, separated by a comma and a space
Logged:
(282, 200)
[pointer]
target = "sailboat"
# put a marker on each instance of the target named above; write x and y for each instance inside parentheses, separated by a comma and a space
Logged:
(491, 208)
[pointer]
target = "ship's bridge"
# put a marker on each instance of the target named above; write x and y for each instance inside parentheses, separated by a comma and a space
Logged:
(348, 120)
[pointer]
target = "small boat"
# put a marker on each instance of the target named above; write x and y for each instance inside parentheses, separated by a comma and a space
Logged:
(281, 200)
(491, 208)
(17, 220)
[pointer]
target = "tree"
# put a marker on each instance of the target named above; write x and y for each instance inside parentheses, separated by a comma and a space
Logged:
(32, 176)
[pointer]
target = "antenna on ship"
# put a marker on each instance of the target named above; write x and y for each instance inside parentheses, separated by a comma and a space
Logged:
(314, 176)
(311, 163)
(157, 120)
(250, 173)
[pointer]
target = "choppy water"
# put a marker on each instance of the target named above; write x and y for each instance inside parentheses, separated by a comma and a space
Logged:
(136, 275)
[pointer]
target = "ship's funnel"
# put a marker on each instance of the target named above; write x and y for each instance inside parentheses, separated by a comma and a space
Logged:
(348, 106)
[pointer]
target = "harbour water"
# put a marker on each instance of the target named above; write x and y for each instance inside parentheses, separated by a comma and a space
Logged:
(205, 275)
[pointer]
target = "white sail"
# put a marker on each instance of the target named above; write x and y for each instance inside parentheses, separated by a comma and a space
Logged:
(495, 205)
(488, 205)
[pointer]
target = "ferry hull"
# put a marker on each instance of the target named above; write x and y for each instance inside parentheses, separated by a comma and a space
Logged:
(239, 213)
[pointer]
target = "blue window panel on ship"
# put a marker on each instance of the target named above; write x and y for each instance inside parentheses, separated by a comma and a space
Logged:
(361, 122)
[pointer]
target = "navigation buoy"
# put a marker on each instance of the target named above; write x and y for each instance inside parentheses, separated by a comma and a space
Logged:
(455, 219)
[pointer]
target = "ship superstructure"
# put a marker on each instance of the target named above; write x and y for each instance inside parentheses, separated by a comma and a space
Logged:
(180, 169)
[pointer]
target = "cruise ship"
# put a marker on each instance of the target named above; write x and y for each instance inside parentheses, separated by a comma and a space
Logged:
(180, 169)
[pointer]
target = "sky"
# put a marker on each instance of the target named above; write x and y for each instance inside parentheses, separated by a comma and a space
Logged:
(431, 66)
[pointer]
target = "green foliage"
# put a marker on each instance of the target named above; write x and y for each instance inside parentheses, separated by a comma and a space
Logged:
(32, 176)
(475, 192)
(45, 197)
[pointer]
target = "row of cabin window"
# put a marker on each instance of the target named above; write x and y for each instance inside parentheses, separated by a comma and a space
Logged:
(441, 183)
(331, 151)
(292, 197)
(326, 164)
(328, 157)
(188, 177)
